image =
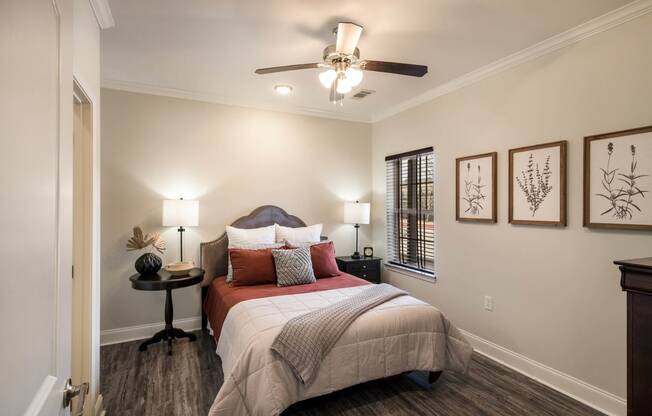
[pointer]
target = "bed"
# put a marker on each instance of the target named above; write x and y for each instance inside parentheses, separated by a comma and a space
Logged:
(398, 336)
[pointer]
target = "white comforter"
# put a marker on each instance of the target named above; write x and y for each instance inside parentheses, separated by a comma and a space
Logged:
(401, 335)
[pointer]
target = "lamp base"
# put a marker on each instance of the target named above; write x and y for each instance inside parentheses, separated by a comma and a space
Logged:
(181, 230)
(356, 253)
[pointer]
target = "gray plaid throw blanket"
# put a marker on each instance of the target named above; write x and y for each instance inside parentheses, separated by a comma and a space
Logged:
(306, 339)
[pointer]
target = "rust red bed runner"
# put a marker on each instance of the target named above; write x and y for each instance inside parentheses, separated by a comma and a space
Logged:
(222, 296)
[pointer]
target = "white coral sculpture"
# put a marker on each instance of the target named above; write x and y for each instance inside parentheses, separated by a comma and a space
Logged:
(140, 241)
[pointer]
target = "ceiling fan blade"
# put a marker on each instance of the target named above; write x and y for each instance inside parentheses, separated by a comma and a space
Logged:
(348, 35)
(395, 68)
(273, 69)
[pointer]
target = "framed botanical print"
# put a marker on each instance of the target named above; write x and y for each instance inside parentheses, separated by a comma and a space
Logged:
(537, 184)
(618, 180)
(475, 188)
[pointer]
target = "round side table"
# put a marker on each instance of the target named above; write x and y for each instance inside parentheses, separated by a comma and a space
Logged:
(165, 281)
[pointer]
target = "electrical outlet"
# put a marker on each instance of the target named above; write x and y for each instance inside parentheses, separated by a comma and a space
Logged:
(489, 303)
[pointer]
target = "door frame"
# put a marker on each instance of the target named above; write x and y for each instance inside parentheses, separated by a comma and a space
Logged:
(86, 284)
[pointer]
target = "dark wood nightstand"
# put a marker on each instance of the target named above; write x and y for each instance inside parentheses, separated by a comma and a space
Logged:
(367, 268)
(165, 281)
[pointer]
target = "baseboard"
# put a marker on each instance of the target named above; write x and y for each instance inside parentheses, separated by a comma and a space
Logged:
(132, 333)
(586, 393)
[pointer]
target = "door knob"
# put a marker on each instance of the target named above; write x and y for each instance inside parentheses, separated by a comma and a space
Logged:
(70, 392)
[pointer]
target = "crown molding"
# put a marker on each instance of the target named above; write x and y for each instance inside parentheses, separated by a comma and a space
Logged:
(585, 30)
(103, 13)
(218, 99)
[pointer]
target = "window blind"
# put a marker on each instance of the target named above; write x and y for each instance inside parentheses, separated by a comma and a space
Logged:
(410, 210)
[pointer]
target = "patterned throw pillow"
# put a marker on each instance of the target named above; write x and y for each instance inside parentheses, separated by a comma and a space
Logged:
(293, 267)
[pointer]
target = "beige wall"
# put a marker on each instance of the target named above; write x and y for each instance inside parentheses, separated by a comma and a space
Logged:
(233, 160)
(556, 292)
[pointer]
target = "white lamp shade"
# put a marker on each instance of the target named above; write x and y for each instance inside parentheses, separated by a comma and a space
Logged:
(180, 213)
(357, 212)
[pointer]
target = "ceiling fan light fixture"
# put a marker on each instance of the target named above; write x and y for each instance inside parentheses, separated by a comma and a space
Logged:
(327, 77)
(343, 85)
(354, 76)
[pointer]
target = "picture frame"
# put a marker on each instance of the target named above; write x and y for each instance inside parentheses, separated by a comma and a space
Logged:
(537, 184)
(476, 188)
(618, 180)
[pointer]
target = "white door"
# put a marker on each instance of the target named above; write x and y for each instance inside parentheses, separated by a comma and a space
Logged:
(35, 205)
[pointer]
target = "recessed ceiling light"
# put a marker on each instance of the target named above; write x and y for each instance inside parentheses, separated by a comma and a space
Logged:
(283, 89)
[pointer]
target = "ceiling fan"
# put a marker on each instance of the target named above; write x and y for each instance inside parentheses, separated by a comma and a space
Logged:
(343, 66)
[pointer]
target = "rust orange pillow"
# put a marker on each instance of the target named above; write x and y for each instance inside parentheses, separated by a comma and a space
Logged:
(252, 267)
(323, 260)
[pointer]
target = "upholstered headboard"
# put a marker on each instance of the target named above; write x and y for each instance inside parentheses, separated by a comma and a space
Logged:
(213, 254)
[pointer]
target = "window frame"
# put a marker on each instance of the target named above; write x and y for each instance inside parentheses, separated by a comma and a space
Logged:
(419, 242)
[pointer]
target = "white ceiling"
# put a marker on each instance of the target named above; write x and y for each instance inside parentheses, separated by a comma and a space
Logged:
(210, 48)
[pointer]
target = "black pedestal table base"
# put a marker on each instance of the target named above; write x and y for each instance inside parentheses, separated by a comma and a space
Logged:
(165, 281)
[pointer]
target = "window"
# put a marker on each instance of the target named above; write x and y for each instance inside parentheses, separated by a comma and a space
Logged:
(410, 211)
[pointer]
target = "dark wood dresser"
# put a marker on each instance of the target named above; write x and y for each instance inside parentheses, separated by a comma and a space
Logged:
(367, 268)
(636, 280)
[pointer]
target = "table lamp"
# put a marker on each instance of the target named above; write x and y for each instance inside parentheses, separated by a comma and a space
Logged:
(356, 213)
(180, 213)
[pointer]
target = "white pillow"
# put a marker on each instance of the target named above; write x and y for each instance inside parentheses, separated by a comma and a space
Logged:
(302, 234)
(242, 236)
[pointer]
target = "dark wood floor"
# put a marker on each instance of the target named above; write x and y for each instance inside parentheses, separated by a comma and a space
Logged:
(152, 383)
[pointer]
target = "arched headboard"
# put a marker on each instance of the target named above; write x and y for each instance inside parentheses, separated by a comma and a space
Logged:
(213, 254)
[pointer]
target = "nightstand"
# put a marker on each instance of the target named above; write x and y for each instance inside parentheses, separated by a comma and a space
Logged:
(165, 281)
(367, 268)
